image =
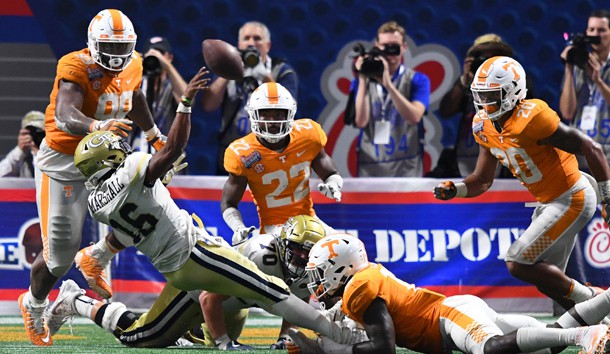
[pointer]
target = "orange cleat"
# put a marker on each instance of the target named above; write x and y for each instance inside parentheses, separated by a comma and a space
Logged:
(35, 325)
(93, 270)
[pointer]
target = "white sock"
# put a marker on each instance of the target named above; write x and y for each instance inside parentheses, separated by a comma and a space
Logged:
(591, 311)
(29, 297)
(222, 341)
(84, 305)
(532, 339)
(105, 251)
(579, 293)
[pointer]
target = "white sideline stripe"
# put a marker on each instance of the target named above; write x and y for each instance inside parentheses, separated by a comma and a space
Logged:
(255, 322)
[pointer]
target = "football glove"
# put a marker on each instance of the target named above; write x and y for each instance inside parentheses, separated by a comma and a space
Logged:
(241, 235)
(281, 343)
(445, 191)
(120, 127)
(299, 343)
(331, 187)
(158, 142)
(606, 213)
(178, 165)
(334, 313)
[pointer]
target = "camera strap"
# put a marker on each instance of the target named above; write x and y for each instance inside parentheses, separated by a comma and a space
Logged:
(384, 96)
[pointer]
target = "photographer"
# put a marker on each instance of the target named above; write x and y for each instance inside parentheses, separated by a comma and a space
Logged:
(389, 107)
(585, 95)
(19, 162)
(254, 42)
(459, 160)
(162, 85)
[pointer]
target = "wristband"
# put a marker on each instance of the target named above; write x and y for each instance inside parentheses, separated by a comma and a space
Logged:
(604, 191)
(461, 190)
(183, 109)
(152, 133)
(186, 101)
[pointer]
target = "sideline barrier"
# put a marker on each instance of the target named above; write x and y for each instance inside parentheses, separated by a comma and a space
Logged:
(454, 247)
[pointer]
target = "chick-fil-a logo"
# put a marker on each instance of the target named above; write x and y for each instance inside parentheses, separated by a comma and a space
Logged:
(597, 245)
(435, 61)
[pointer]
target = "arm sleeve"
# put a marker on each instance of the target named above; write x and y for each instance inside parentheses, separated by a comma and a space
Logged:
(10, 166)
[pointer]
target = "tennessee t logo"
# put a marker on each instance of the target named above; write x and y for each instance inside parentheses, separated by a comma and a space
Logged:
(68, 191)
(331, 250)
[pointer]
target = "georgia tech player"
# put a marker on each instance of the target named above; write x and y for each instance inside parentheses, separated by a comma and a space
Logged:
(527, 137)
(127, 194)
(275, 161)
(283, 256)
(94, 90)
(396, 313)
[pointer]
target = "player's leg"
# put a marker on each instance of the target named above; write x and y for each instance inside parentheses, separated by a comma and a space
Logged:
(586, 313)
(540, 255)
(222, 270)
(62, 210)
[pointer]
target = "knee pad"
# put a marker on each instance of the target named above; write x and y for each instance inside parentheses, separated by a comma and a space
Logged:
(112, 315)
(63, 243)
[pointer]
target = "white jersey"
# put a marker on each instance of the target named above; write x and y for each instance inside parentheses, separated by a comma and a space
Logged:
(262, 250)
(144, 216)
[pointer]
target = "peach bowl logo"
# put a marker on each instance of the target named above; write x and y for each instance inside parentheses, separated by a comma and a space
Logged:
(437, 62)
(597, 245)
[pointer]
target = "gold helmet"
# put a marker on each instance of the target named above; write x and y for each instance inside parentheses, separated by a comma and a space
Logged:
(100, 152)
(297, 237)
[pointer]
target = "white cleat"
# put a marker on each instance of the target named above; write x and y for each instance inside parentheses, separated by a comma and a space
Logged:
(63, 308)
(594, 340)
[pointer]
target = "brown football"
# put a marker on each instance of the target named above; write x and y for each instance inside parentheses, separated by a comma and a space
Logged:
(223, 59)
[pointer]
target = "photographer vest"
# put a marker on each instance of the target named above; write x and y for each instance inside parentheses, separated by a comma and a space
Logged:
(235, 122)
(403, 155)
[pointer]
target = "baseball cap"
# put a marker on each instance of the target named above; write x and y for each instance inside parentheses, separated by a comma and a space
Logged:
(34, 119)
(158, 43)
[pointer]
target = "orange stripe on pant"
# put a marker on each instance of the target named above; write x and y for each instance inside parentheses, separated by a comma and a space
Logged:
(543, 242)
(465, 322)
(44, 215)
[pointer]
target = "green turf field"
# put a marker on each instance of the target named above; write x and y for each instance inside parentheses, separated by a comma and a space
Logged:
(88, 338)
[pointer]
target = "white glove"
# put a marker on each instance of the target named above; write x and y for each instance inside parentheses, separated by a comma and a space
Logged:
(259, 72)
(178, 166)
(331, 188)
(241, 234)
(334, 313)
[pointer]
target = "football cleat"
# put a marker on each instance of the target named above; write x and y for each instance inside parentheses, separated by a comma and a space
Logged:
(89, 265)
(594, 340)
(63, 308)
(35, 324)
(235, 345)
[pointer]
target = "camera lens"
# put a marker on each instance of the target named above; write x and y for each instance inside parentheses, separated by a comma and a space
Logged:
(151, 65)
(250, 57)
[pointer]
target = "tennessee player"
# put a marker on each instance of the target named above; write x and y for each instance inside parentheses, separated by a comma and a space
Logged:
(126, 193)
(396, 313)
(275, 161)
(528, 138)
(94, 90)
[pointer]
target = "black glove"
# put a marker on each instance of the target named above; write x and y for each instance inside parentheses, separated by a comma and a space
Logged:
(445, 191)
(280, 344)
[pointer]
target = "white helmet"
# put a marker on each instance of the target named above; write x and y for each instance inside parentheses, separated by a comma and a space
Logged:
(271, 95)
(498, 86)
(333, 261)
(111, 39)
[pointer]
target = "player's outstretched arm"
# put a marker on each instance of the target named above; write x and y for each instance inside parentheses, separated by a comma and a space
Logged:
(177, 138)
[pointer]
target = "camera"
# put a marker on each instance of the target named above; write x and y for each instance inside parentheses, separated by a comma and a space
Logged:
(372, 66)
(151, 65)
(579, 53)
(250, 57)
(37, 134)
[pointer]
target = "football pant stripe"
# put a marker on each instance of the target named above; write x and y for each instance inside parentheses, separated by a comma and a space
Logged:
(159, 326)
(238, 273)
(44, 215)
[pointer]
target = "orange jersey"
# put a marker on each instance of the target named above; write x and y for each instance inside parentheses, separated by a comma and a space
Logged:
(545, 170)
(415, 312)
(278, 181)
(105, 96)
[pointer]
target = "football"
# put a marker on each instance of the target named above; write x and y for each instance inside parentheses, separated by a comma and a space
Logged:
(223, 59)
